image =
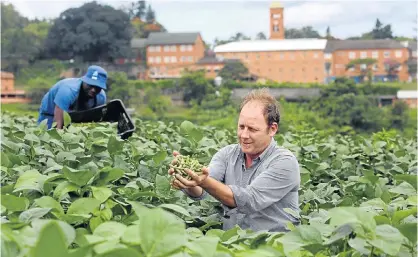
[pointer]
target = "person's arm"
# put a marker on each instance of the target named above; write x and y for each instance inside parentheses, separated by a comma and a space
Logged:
(59, 117)
(269, 187)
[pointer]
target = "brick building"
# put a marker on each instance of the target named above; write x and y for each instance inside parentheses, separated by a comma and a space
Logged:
(168, 54)
(8, 92)
(318, 60)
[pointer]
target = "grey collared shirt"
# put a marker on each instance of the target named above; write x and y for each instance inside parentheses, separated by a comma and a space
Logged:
(262, 191)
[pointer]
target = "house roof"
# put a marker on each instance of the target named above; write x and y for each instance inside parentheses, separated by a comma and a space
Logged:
(334, 45)
(165, 38)
(272, 45)
(138, 42)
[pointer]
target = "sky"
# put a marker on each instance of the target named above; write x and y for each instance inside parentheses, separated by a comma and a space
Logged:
(223, 19)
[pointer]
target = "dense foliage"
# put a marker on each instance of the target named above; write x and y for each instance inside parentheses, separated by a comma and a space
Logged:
(84, 192)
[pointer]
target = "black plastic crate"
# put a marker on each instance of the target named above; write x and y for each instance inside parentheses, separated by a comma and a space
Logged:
(113, 111)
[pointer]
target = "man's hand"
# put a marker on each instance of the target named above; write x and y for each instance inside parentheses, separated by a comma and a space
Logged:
(179, 182)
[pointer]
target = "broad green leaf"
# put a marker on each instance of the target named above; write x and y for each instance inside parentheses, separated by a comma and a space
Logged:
(30, 180)
(125, 252)
(63, 156)
(411, 179)
(107, 175)
(67, 119)
(398, 216)
(404, 189)
(51, 242)
(131, 235)
(78, 177)
(64, 188)
(162, 185)
(14, 203)
(68, 230)
(5, 160)
(49, 202)
(176, 208)
(108, 245)
(33, 213)
(204, 246)
(409, 230)
(83, 206)
(114, 145)
(80, 239)
(94, 222)
(101, 193)
(388, 239)
(159, 156)
(110, 230)
(161, 232)
(351, 215)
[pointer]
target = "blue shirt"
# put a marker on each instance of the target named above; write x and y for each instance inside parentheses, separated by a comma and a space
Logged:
(64, 94)
(262, 192)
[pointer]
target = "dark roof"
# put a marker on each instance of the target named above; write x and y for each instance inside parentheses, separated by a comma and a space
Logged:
(210, 59)
(165, 38)
(412, 45)
(334, 45)
(138, 42)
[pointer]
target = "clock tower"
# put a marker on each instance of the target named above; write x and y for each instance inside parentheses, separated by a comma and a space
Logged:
(276, 21)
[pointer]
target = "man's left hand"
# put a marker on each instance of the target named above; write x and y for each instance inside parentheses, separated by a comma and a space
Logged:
(196, 180)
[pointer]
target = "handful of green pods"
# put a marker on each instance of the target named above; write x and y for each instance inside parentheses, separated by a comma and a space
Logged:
(184, 162)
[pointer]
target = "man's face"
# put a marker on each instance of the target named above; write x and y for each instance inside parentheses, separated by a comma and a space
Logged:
(254, 134)
(90, 90)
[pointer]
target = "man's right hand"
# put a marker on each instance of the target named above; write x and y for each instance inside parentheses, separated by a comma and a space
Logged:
(59, 117)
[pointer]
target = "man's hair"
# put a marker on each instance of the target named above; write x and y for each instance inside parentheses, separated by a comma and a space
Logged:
(271, 106)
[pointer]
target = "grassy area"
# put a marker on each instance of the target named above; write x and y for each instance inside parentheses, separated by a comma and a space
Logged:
(19, 108)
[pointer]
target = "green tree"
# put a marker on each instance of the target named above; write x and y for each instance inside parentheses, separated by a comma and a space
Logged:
(261, 36)
(195, 86)
(119, 87)
(235, 70)
(157, 102)
(364, 66)
(92, 32)
(304, 32)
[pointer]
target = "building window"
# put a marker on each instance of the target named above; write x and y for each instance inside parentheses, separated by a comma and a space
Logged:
(189, 48)
(246, 56)
(258, 56)
(398, 54)
(276, 15)
(375, 67)
(151, 59)
(166, 59)
(375, 54)
(190, 58)
(158, 59)
(173, 48)
(399, 68)
(275, 28)
(386, 54)
(352, 55)
(292, 57)
(363, 55)
(182, 48)
(166, 48)
(281, 56)
(173, 59)
(328, 56)
(268, 56)
(363, 66)
(157, 48)
(151, 49)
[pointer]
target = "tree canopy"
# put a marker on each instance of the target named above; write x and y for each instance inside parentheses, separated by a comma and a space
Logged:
(92, 32)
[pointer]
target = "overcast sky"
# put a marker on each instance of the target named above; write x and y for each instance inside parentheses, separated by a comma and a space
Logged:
(223, 19)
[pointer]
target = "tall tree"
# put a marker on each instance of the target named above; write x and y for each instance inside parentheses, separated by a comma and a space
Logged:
(150, 15)
(92, 32)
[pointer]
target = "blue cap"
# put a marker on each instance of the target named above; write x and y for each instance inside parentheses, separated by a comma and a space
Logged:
(95, 76)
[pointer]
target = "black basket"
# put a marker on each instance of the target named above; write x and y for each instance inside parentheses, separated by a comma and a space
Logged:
(114, 111)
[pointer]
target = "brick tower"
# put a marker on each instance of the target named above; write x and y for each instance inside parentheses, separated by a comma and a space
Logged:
(276, 21)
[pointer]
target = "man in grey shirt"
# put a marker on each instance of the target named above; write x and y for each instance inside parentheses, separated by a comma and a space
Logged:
(254, 180)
